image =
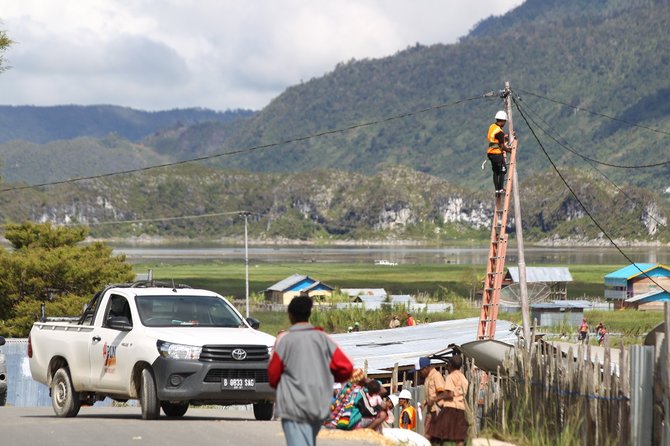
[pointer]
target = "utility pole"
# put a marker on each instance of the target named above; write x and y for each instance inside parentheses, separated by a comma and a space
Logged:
(523, 288)
(246, 259)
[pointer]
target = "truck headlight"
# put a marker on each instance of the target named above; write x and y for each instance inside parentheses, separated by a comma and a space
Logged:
(178, 351)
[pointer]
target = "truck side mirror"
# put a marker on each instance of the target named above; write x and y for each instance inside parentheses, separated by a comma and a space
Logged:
(2, 340)
(255, 323)
(120, 323)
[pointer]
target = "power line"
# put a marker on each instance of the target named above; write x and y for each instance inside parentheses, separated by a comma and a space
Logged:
(151, 220)
(569, 149)
(588, 160)
(567, 185)
(595, 113)
(248, 149)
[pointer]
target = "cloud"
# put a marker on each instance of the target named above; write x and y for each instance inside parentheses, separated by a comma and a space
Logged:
(157, 54)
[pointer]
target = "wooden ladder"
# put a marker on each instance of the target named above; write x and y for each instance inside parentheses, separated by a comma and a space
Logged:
(495, 266)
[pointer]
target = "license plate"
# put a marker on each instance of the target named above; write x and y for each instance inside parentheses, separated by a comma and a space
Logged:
(238, 383)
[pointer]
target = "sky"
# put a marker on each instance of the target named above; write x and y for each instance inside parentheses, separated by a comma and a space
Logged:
(216, 54)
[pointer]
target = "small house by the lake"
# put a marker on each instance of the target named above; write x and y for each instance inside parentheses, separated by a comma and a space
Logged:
(297, 285)
(557, 312)
(635, 280)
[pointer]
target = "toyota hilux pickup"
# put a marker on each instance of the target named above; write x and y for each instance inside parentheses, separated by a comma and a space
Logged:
(167, 346)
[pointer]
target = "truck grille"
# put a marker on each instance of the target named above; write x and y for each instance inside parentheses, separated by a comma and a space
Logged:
(216, 375)
(212, 353)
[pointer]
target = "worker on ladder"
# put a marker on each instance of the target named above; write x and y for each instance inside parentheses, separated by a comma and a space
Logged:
(496, 151)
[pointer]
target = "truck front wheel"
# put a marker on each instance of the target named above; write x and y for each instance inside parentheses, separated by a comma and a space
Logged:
(64, 398)
(263, 411)
(148, 398)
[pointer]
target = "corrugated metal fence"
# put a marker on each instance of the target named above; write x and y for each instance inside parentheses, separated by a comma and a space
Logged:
(22, 391)
(572, 397)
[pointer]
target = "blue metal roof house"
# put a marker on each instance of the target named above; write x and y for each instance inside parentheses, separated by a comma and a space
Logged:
(635, 280)
(283, 291)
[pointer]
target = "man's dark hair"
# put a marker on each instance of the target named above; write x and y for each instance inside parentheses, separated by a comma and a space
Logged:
(456, 361)
(300, 308)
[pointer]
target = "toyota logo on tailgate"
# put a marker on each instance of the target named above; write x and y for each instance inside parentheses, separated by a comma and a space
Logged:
(239, 354)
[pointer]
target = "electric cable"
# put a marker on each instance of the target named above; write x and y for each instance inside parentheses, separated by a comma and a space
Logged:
(159, 219)
(594, 113)
(249, 149)
(588, 160)
(567, 185)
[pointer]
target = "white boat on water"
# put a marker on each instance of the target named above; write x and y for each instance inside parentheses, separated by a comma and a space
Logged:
(385, 263)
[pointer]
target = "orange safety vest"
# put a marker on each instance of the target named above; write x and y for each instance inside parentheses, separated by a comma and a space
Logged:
(494, 145)
(411, 413)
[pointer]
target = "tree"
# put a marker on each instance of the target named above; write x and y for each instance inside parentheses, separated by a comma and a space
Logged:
(49, 265)
(5, 42)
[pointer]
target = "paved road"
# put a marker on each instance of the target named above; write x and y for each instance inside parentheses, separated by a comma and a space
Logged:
(121, 426)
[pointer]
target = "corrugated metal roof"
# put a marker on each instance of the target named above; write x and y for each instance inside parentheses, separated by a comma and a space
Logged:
(542, 274)
(402, 299)
(393, 300)
(287, 283)
(384, 348)
(652, 296)
(354, 292)
(559, 304)
(632, 270)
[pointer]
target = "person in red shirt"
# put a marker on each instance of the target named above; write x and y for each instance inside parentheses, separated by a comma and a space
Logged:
(410, 320)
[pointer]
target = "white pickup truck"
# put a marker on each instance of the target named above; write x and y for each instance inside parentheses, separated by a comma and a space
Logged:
(168, 346)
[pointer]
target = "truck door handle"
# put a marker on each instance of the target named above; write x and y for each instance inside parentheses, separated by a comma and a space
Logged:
(97, 338)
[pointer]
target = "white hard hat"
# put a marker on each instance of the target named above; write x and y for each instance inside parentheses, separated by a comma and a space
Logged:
(501, 116)
(394, 399)
(405, 394)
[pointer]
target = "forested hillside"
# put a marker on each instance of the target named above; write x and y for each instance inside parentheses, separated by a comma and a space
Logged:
(392, 148)
(396, 203)
(607, 56)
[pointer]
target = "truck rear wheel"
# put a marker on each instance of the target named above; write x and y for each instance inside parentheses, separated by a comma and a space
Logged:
(174, 409)
(64, 398)
(263, 411)
(148, 398)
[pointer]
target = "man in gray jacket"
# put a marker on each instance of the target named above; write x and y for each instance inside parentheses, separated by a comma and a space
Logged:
(303, 367)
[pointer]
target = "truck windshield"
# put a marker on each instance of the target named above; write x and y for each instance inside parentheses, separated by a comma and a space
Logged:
(186, 311)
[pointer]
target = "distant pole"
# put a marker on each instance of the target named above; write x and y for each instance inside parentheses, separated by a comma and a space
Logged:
(246, 260)
(523, 289)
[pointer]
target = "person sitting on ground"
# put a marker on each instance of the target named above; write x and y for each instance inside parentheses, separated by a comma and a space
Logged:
(342, 413)
(395, 322)
(410, 320)
(368, 403)
(384, 417)
(390, 418)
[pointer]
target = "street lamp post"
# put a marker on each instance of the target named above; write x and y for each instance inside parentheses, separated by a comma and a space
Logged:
(246, 260)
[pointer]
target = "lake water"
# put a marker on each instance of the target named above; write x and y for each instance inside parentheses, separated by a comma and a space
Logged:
(399, 254)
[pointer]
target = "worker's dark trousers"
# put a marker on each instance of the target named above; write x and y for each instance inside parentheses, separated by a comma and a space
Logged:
(499, 170)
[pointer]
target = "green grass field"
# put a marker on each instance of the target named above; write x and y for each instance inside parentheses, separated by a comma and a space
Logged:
(452, 283)
(227, 278)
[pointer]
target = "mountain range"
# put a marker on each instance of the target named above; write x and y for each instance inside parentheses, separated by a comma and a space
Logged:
(589, 78)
